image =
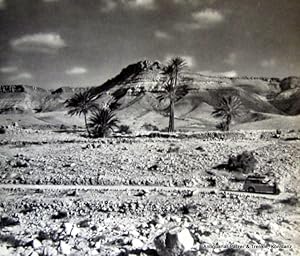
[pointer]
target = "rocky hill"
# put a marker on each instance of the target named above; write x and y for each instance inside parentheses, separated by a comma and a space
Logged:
(138, 85)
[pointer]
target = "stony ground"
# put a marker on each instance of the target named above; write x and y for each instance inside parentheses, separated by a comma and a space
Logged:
(112, 222)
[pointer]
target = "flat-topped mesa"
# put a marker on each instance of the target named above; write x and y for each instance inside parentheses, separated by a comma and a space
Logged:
(19, 88)
(12, 88)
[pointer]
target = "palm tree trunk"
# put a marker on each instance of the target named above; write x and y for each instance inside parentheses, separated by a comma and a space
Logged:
(228, 122)
(86, 126)
(171, 116)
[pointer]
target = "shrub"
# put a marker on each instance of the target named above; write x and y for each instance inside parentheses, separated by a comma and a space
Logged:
(223, 126)
(125, 129)
(150, 127)
(244, 162)
(63, 127)
(102, 122)
(2, 130)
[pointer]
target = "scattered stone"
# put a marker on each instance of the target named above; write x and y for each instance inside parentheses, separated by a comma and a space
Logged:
(64, 248)
(84, 224)
(137, 243)
(200, 149)
(36, 244)
(174, 242)
(71, 229)
(60, 215)
(49, 251)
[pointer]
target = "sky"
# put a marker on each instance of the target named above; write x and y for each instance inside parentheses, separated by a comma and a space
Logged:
(54, 43)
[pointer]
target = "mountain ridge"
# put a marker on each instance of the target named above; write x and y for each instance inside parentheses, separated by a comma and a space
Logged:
(137, 86)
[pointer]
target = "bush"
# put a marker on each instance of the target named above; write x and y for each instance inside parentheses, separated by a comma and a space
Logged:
(244, 162)
(2, 130)
(223, 126)
(150, 127)
(63, 127)
(125, 129)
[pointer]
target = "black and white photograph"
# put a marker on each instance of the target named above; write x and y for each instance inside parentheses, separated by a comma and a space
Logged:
(150, 127)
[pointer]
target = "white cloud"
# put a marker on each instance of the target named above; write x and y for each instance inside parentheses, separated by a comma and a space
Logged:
(2, 4)
(21, 76)
(162, 35)
(76, 71)
(204, 19)
(40, 42)
(231, 59)
(194, 3)
(190, 60)
(143, 4)
(108, 5)
(8, 69)
(231, 73)
(208, 17)
(268, 63)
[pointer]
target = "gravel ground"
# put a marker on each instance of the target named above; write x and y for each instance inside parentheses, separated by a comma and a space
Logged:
(107, 222)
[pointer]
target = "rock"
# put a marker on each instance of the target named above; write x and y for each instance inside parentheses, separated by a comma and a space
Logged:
(174, 242)
(60, 215)
(8, 222)
(34, 254)
(64, 248)
(4, 250)
(68, 228)
(137, 243)
(75, 231)
(71, 229)
(49, 251)
(256, 237)
(36, 244)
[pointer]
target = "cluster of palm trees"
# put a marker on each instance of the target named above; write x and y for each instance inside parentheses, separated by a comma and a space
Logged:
(102, 119)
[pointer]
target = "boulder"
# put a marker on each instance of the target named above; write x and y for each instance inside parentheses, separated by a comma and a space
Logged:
(174, 242)
(64, 248)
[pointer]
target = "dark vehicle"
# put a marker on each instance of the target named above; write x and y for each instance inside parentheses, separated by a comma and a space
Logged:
(260, 184)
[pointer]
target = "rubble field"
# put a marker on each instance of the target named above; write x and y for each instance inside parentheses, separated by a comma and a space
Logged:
(193, 216)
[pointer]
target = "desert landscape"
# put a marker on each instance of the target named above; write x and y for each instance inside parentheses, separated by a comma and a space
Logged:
(149, 128)
(63, 193)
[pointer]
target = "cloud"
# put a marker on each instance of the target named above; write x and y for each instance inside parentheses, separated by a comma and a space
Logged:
(142, 4)
(190, 60)
(2, 4)
(76, 71)
(8, 69)
(268, 63)
(231, 59)
(231, 73)
(162, 35)
(40, 42)
(208, 17)
(204, 19)
(194, 3)
(108, 5)
(21, 76)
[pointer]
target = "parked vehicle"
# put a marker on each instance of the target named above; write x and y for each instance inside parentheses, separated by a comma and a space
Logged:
(260, 184)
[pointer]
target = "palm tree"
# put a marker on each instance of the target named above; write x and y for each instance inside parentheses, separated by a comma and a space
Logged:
(81, 104)
(228, 109)
(102, 120)
(171, 85)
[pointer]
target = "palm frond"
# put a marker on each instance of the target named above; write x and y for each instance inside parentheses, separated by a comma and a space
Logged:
(101, 121)
(80, 103)
(229, 107)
